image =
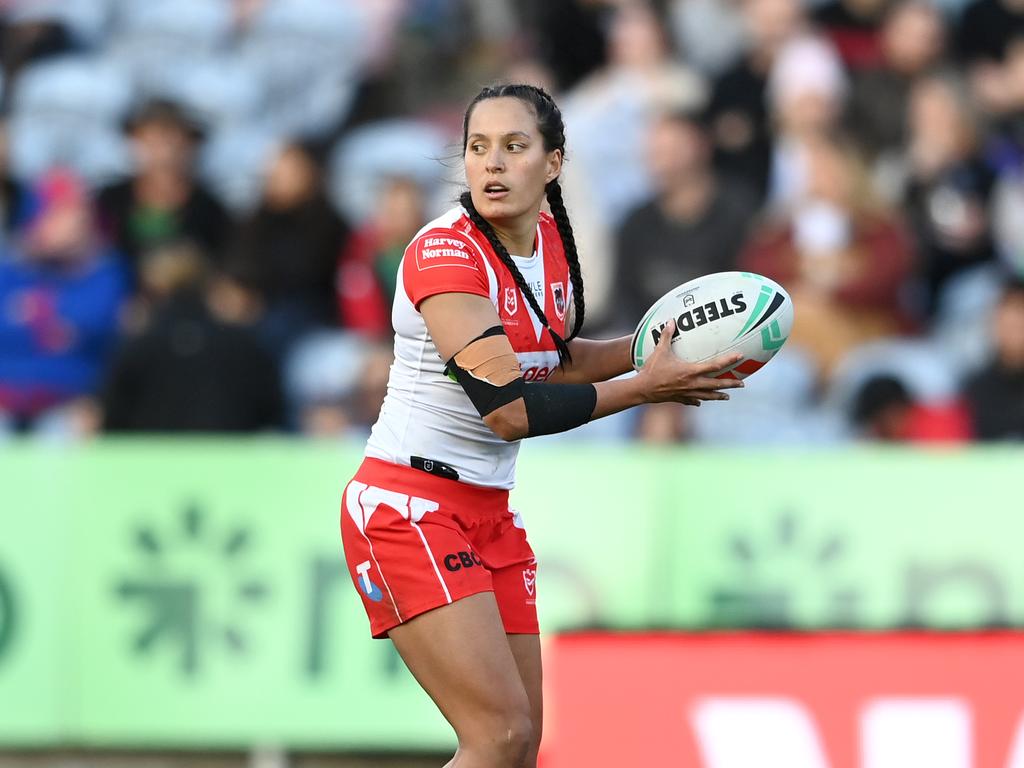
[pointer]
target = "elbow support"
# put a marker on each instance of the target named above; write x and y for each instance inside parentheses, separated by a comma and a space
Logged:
(488, 370)
(552, 408)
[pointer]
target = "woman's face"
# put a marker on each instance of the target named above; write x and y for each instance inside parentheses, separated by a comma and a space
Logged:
(399, 213)
(162, 146)
(829, 174)
(912, 38)
(507, 166)
(291, 180)
(1008, 330)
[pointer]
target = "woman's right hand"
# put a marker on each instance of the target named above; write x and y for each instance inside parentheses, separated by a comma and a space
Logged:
(666, 378)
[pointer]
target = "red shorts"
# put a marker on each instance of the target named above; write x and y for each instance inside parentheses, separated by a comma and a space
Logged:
(415, 541)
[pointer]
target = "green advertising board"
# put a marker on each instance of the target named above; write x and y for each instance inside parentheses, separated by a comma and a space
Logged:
(180, 594)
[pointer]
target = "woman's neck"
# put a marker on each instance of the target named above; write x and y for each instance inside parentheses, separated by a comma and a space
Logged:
(517, 235)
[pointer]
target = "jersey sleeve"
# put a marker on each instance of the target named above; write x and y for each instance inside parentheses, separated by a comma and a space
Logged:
(443, 262)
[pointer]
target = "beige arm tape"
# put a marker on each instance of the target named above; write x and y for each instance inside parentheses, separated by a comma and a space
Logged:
(490, 359)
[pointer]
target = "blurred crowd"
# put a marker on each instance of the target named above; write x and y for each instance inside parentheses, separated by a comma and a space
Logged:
(204, 202)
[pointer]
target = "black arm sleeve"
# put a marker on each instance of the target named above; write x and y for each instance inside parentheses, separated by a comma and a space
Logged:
(552, 408)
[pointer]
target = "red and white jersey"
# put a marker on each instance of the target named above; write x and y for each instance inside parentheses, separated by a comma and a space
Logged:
(427, 414)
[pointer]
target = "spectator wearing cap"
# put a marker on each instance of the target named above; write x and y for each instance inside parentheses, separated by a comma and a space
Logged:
(61, 291)
(163, 201)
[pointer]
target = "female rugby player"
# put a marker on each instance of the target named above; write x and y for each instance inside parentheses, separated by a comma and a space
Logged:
(486, 316)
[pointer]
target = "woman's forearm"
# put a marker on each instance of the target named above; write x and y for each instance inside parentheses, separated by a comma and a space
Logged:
(594, 361)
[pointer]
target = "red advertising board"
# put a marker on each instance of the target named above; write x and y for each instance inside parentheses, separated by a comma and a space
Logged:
(846, 700)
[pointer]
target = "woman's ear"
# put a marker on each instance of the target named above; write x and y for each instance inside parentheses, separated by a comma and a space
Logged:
(554, 165)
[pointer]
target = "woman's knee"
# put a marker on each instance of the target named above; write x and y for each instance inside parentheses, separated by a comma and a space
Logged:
(506, 738)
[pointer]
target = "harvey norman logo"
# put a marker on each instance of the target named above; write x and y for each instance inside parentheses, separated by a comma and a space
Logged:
(439, 247)
(443, 252)
(440, 253)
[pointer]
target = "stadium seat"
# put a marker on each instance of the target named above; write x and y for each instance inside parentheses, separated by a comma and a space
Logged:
(84, 87)
(775, 408)
(922, 365)
(156, 37)
(67, 112)
(232, 161)
(218, 91)
(309, 54)
(87, 20)
(961, 327)
(324, 366)
(293, 37)
(371, 154)
(98, 155)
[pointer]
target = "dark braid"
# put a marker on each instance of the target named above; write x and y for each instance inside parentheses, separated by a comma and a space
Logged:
(561, 216)
(506, 258)
(552, 129)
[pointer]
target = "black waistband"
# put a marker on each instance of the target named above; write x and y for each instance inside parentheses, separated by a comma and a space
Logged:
(433, 467)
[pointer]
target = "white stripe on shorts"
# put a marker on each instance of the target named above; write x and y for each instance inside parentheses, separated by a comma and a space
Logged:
(433, 562)
(380, 570)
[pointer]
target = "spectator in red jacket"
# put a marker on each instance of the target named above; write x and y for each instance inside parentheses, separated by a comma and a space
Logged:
(368, 267)
(885, 410)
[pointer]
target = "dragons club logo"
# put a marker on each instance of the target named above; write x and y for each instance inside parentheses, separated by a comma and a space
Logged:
(530, 580)
(558, 296)
(511, 301)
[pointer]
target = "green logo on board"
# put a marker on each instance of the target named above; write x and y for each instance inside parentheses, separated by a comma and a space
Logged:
(193, 590)
(784, 575)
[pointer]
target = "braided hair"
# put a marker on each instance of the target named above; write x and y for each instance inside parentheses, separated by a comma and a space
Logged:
(552, 130)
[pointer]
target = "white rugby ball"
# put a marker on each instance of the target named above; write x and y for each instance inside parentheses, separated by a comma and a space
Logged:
(720, 313)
